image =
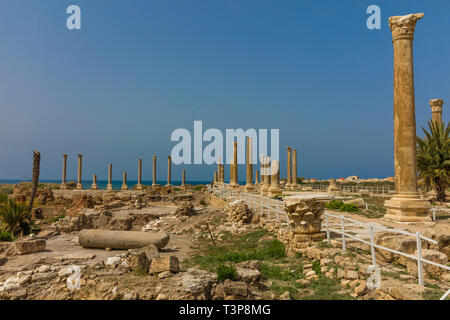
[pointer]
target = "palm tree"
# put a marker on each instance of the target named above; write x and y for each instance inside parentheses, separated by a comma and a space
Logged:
(17, 217)
(433, 158)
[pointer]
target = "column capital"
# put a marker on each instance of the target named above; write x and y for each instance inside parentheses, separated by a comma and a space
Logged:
(402, 27)
(436, 105)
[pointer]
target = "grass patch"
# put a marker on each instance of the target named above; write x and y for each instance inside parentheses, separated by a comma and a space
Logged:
(6, 236)
(281, 273)
(226, 272)
(326, 289)
(238, 249)
(433, 294)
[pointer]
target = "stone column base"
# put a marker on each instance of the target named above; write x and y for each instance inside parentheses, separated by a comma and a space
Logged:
(63, 187)
(249, 187)
(273, 191)
(94, 187)
(139, 187)
(124, 187)
(234, 186)
(406, 208)
(333, 189)
(79, 186)
(109, 187)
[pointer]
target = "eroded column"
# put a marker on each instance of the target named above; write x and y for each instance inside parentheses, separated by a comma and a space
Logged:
(248, 160)
(154, 171)
(124, 181)
(64, 173)
(183, 178)
(94, 182)
(274, 188)
(80, 169)
(294, 169)
(289, 171)
(139, 184)
(169, 170)
(436, 110)
(406, 204)
(235, 183)
(109, 186)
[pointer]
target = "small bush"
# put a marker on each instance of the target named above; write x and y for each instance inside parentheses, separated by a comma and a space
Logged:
(3, 198)
(56, 219)
(16, 217)
(348, 208)
(202, 202)
(6, 236)
(198, 187)
(226, 272)
(334, 205)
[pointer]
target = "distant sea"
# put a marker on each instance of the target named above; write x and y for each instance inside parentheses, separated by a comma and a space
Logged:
(116, 184)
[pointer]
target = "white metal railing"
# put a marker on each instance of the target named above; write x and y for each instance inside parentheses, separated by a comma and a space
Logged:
(352, 189)
(341, 229)
(265, 205)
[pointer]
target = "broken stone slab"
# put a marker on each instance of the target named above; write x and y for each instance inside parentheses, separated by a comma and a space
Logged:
(359, 202)
(76, 256)
(165, 264)
(29, 246)
(248, 275)
(92, 238)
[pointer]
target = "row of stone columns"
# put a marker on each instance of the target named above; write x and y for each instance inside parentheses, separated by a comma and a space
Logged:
(124, 177)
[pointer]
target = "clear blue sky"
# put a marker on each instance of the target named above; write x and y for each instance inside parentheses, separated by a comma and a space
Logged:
(115, 90)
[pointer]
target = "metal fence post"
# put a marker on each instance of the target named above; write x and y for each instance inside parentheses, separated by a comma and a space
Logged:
(372, 248)
(276, 208)
(326, 226)
(419, 259)
(343, 233)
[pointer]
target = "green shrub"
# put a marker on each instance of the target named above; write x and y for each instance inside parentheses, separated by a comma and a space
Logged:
(198, 187)
(61, 216)
(226, 272)
(202, 202)
(348, 208)
(6, 236)
(334, 205)
(3, 198)
(16, 217)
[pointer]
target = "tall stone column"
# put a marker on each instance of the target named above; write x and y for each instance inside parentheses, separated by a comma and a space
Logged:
(124, 181)
(183, 178)
(64, 173)
(231, 171)
(154, 171)
(257, 177)
(249, 183)
(139, 184)
(294, 169)
(109, 186)
(80, 170)
(275, 188)
(215, 177)
(235, 183)
(222, 173)
(289, 171)
(406, 205)
(94, 182)
(169, 170)
(436, 110)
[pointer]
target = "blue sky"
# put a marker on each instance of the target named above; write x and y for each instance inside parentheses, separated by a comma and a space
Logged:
(116, 89)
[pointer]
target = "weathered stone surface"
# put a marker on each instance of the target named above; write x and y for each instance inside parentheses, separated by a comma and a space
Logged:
(239, 212)
(198, 283)
(401, 291)
(359, 202)
(165, 264)
(122, 239)
(248, 275)
(231, 290)
(251, 264)
(305, 214)
(394, 241)
(29, 246)
(185, 209)
(432, 255)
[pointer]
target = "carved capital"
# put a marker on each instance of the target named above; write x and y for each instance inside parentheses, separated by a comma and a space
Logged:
(402, 27)
(436, 105)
